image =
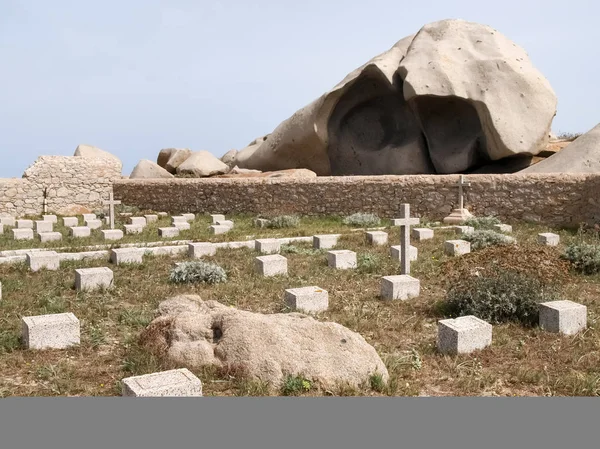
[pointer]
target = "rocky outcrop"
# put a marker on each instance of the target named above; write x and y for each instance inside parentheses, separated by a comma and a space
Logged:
(177, 157)
(146, 169)
(229, 157)
(196, 333)
(90, 151)
(164, 155)
(201, 164)
(452, 98)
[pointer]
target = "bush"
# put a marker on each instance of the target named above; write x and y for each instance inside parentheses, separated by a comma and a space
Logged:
(482, 222)
(294, 385)
(584, 257)
(368, 262)
(507, 296)
(362, 219)
(198, 271)
(284, 221)
(293, 249)
(484, 238)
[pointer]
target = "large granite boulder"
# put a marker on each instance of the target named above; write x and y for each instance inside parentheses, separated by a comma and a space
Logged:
(229, 157)
(201, 164)
(90, 151)
(196, 333)
(177, 156)
(146, 169)
(451, 98)
(164, 155)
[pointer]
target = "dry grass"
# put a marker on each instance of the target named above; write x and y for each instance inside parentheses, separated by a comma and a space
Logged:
(521, 361)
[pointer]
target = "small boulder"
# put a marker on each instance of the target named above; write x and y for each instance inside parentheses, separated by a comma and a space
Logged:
(164, 155)
(91, 151)
(178, 157)
(229, 157)
(201, 164)
(146, 169)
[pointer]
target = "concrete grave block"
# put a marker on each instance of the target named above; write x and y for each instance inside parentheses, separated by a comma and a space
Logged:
(22, 234)
(138, 221)
(189, 217)
(50, 218)
(307, 299)
(201, 249)
(50, 237)
(177, 382)
(168, 232)
(457, 247)
(507, 229)
(90, 279)
(80, 231)
(267, 246)
(43, 226)
(38, 260)
(151, 218)
(261, 222)
(69, 222)
(396, 252)
(126, 255)
(217, 229)
(460, 230)
(8, 221)
(178, 219)
(272, 265)
(420, 234)
(227, 223)
(377, 238)
(325, 241)
(112, 234)
(463, 335)
(133, 229)
(565, 317)
(87, 217)
(55, 331)
(549, 239)
(93, 224)
(163, 214)
(401, 287)
(342, 259)
(182, 225)
(24, 224)
(217, 217)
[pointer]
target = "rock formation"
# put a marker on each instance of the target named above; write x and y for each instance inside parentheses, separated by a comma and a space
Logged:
(201, 164)
(146, 169)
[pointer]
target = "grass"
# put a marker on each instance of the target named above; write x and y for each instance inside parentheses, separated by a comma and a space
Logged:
(522, 361)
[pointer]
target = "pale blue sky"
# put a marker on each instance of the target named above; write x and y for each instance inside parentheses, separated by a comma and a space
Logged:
(135, 76)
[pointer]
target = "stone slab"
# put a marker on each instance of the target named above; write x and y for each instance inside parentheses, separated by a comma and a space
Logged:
(261, 222)
(267, 246)
(8, 221)
(87, 217)
(139, 221)
(400, 287)
(178, 219)
(168, 232)
(133, 229)
(227, 223)
(460, 230)
(126, 255)
(456, 247)
(325, 241)
(548, 239)
(182, 225)
(463, 335)
(69, 222)
(272, 265)
(507, 229)
(90, 279)
(47, 260)
(93, 224)
(420, 234)
(377, 238)
(189, 217)
(22, 234)
(151, 218)
(307, 299)
(112, 234)
(565, 317)
(55, 331)
(218, 229)
(396, 252)
(50, 237)
(50, 218)
(217, 217)
(342, 259)
(179, 382)
(43, 226)
(24, 224)
(80, 231)
(201, 249)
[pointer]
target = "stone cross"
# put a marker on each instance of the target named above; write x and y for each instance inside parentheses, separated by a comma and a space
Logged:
(111, 203)
(405, 223)
(45, 201)
(462, 183)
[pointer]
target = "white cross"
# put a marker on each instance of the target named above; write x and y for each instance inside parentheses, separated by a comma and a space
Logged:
(111, 203)
(405, 223)
(462, 183)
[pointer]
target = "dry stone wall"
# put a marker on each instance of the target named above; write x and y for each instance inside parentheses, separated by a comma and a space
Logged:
(555, 199)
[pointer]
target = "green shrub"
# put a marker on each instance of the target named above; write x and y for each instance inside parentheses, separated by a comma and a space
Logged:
(482, 222)
(283, 221)
(362, 219)
(294, 385)
(507, 296)
(484, 238)
(377, 383)
(368, 262)
(585, 257)
(293, 249)
(198, 271)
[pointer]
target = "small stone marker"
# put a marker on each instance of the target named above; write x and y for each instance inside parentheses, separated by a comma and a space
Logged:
(463, 335)
(168, 232)
(8, 221)
(182, 225)
(272, 265)
(325, 241)
(461, 214)
(401, 287)
(460, 230)
(549, 239)
(151, 218)
(43, 226)
(87, 217)
(55, 331)
(227, 223)
(38, 260)
(111, 203)
(217, 229)
(421, 234)
(22, 234)
(503, 228)
(261, 222)
(405, 221)
(93, 224)
(177, 382)
(69, 222)
(112, 234)
(50, 218)
(162, 214)
(201, 249)
(133, 229)
(90, 279)
(126, 255)
(396, 251)
(24, 224)
(267, 246)
(80, 231)
(139, 221)
(457, 247)
(50, 237)
(565, 317)
(189, 217)
(307, 299)
(377, 238)
(178, 219)
(342, 259)
(217, 217)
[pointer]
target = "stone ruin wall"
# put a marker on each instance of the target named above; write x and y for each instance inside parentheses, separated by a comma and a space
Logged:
(554, 199)
(73, 184)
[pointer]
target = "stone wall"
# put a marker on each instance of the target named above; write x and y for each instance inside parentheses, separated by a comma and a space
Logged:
(557, 199)
(72, 184)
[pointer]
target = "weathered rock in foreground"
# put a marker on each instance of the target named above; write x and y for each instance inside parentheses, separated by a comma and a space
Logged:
(178, 156)
(195, 333)
(164, 155)
(202, 164)
(451, 98)
(146, 169)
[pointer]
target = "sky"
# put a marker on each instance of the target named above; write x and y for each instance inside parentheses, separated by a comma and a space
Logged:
(134, 76)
